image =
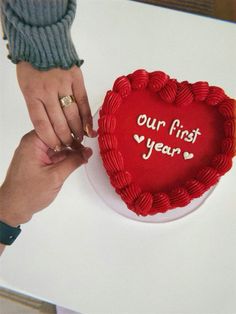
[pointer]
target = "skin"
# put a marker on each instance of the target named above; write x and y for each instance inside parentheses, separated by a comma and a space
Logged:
(34, 178)
(42, 89)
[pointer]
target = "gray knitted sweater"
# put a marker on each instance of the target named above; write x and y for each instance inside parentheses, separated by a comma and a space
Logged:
(38, 31)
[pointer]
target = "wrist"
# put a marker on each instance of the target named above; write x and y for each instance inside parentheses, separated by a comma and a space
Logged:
(11, 221)
(11, 213)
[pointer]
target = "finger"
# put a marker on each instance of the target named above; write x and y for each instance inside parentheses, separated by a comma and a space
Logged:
(57, 157)
(72, 162)
(81, 97)
(77, 146)
(42, 125)
(58, 120)
(71, 113)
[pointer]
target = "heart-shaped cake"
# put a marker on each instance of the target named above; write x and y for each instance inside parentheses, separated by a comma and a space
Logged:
(164, 143)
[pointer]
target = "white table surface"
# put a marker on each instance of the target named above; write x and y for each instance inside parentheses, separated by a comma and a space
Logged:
(80, 254)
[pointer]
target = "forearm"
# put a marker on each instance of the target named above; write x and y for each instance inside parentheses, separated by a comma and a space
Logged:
(38, 31)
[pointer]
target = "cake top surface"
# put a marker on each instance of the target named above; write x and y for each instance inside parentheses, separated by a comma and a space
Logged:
(164, 143)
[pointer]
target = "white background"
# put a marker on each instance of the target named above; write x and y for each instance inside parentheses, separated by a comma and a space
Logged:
(80, 254)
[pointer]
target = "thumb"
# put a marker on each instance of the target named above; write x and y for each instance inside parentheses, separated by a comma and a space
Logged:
(74, 160)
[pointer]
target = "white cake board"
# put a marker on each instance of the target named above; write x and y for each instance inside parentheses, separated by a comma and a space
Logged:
(100, 181)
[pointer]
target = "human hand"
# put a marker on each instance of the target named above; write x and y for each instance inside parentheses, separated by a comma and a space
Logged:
(42, 90)
(35, 176)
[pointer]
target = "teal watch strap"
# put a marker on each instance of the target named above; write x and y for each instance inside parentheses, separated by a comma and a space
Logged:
(8, 234)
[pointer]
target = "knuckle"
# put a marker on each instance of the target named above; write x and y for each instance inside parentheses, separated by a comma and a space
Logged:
(28, 91)
(32, 89)
(76, 128)
(25, 139)
(28, 138)
(83, 100)
(76, 73)
(27, 87)
(72, 116)
(74, 123)
(87, 117)
(60, 128)
(40, 125)
(65, 80)
(51, 86)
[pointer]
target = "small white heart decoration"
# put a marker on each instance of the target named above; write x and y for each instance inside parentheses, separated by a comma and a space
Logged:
(138, 139)
(188, 155)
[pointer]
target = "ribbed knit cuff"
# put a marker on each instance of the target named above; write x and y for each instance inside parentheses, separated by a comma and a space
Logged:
(44, 47)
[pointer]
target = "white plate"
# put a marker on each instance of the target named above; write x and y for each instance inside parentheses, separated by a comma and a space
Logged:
(100, 181)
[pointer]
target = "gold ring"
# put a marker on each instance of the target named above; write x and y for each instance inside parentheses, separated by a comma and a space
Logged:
(66, 100)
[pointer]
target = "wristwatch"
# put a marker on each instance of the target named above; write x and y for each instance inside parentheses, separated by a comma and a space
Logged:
(8, 234)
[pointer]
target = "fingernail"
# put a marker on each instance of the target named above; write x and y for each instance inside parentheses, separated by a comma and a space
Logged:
(88, 129)
(57, 148)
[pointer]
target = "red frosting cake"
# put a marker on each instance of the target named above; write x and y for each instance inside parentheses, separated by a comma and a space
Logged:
(164, 143)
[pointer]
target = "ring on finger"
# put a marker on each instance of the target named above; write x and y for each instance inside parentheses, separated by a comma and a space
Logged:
(66, 101)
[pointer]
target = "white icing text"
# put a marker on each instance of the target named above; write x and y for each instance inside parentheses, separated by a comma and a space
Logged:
(188, 136)
(160, 147)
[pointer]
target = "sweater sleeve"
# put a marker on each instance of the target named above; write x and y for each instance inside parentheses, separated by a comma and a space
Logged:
(38, 31)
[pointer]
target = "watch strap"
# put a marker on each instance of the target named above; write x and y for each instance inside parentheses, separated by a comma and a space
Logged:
(8, 234)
